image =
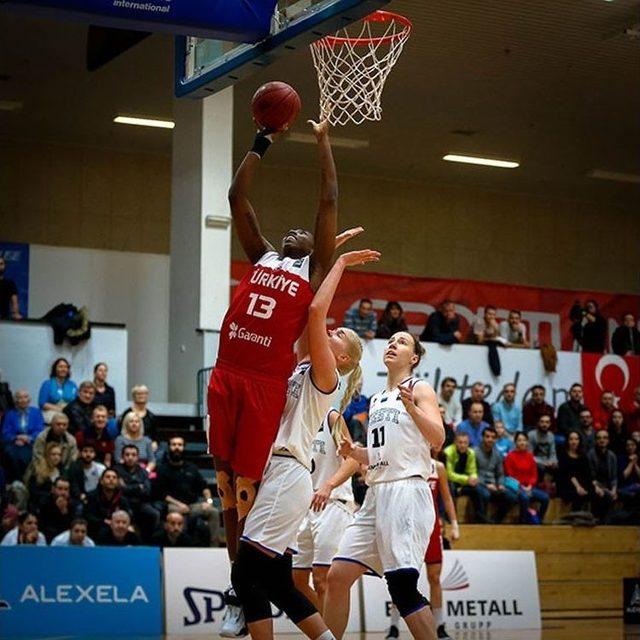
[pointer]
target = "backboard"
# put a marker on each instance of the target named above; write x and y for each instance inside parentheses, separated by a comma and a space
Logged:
(204, 66)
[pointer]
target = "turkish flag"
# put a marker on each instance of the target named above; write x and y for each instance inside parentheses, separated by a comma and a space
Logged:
(609, 372)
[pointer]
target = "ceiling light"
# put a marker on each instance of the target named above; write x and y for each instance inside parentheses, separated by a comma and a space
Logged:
(616, 176)
(145, 122)
(489, 162)
(347, 143)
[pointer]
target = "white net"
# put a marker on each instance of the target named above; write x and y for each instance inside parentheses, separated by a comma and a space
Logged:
(353, 67)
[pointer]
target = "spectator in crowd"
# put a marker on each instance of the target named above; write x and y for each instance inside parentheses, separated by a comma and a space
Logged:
(98, 434)
(119, 533)
(25, 533)
(513, 331)
(462, 471)
(490, 485)
(76, 536)
(633, 415)
(477, 395)
(453, 408)
(602, 414)
(573, 479)
(132, 433)
(356, 415)
(140, 400)
(79, 410)
(20, 427)
(486, 329)
(104, 502)
(629, 468)
(543, 447)
(362, 320)
(56, 392)
(57, 433)
(84, 474)
(604, 476)
(474, 425)
(507, 410)
(589, 328)
(443, 325)
(536, 407)
(41, 475)
(57, 512)
(625, 340)
(136, 487)
(105, 393)
(182, 487)
(172, 533)
(504, 443)
(520, 465)
(449, 429)
(586, 430)
(617, 432)
(391, 322)
(9, 303)
(569, 411)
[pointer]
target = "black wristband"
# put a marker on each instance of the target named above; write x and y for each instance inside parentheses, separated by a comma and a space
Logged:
(260, 145)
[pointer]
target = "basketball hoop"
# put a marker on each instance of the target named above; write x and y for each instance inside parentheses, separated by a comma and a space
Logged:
(352, 69)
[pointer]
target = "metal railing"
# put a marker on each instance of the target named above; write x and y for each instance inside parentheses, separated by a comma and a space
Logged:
(202, 382)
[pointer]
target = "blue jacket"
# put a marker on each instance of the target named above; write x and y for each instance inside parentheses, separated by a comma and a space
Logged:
(51, 392)
(11, 424)
(474, 433)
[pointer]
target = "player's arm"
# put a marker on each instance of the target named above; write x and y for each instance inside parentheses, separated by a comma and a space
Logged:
(421, 404)
(449, 506)
(327, 216)
(244, 217)
(322, 359)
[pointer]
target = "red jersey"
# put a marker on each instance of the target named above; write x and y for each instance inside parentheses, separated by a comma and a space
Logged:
(434, 483)
(266, 317)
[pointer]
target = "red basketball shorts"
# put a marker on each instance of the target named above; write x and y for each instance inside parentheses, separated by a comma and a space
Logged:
(434, 550)
(244, 414)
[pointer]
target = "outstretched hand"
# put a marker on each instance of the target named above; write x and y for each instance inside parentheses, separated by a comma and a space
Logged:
(320, 129)
(406, 395)
(345, 236)
(354, 258)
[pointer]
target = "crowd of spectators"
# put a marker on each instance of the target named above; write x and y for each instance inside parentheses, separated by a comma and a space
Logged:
(73, 473)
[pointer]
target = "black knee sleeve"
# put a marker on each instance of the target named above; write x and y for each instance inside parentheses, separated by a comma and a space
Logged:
(246, 580)
(283, 592)
(403, 589)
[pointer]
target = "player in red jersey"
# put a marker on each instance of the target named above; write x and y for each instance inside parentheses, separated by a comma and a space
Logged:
(433, 558)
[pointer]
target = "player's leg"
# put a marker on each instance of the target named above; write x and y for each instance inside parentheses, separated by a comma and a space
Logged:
(435, 594)
(337, 604)
(301, 579)
(319, 576)
(394, 623)
(303, 561)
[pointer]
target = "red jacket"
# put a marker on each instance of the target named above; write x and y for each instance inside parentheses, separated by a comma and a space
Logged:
(521, 465)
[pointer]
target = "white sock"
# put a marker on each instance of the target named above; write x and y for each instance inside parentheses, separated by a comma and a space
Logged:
(437, 616)
(395, 616)
(327, 635)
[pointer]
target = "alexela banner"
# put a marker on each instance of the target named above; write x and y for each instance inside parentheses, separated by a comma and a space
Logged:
(195, 580)
(544, 311)
(70, 591)
(482, 590)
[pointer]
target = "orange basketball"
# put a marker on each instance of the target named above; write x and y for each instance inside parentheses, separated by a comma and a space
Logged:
(275, 106)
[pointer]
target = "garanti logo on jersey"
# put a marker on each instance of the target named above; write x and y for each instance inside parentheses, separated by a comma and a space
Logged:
(240, 333)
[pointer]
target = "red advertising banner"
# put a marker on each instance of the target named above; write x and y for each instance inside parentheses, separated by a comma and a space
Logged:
(545, 311)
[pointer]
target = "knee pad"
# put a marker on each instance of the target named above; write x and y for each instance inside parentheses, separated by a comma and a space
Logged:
(246, 490)
(283, 592)
(403, 589)
(245, 578)
(225, 490)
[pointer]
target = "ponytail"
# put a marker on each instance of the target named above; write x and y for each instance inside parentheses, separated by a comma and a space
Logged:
(355, 378)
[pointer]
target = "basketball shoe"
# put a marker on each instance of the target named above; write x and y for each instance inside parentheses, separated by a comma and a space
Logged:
(442, 633)
(233, 624)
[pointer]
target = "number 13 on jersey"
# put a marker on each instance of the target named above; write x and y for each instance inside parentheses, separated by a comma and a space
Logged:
(261, 306)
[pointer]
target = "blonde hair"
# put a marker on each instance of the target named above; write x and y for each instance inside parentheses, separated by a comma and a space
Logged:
(42, 467)
(125, 425)
(139, 387)
(354, 351)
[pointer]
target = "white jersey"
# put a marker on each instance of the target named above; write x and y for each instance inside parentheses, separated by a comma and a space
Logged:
(304, 410)
(325, 462)
(395, 445)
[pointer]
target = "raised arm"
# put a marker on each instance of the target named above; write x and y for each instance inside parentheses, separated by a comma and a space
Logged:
(322, 359)
(244, 217)
(421, 404)
(327, 216)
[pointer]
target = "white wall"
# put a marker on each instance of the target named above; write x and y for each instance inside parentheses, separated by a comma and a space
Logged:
(124, 287)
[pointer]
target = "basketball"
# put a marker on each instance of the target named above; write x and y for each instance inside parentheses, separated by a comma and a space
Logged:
(275, 106)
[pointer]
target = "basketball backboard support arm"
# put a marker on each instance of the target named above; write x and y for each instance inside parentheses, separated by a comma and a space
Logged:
(204, 67)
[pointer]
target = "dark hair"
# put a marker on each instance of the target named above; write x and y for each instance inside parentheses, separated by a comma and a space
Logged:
(516, 311)
(594, 303)
(174, 436)
(446, 303)
(109, 470)
(623, 427)
(87, 384)
(23, 515)
(574, 385)
(521, 433)
(448, 379)
(476, 402)
(490, 429)
(586, 409)
(490, 306)
(418, 350)
(60, 479)
(88, 444)
(544, 415)
(386, 314)
(461, 434)
(99, 364)
(76, 521)
(538, 386)
(580, 443)
(475, 384)
(508, 384)
(130, 446)
(52, 373)
(364, 301)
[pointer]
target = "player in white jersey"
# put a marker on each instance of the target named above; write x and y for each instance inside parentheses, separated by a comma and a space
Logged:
(332, 507)
(262, 572)
(391, 532)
